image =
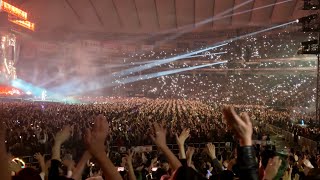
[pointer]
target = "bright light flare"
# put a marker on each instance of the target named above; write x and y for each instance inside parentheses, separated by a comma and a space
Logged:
(165, 73)
(24, 23)
(13, 10)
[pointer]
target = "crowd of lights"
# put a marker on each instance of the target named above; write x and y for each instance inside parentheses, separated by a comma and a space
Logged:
(268, 51)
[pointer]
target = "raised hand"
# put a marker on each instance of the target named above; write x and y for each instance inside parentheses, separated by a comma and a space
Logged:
(63, 135)
(183, 136)
(241, 125)
(95, 138)
(160, 135)
(39, 157)
(211, 150)
(272, 168)
(129, 157)
(190, 151)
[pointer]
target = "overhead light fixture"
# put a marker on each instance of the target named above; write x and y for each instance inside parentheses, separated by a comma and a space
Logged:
(10, 9)
(26, 24)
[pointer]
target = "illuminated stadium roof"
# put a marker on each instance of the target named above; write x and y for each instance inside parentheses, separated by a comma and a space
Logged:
(147, 16)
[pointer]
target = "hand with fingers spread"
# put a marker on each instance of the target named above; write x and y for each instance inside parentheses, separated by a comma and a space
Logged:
(63, 135)
(160, 140)
(59, 139)
(183, 136)
(39, 157)
(95, 138)
(160, 135)
(241, 125)
(211, 151)
(129, 158)
(272, 168)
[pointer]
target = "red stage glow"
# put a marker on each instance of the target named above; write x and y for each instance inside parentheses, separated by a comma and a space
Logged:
(9, 91)
(14, 10)
(26, 24)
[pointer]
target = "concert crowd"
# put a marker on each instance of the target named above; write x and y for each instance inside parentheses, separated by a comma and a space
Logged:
(75, 141)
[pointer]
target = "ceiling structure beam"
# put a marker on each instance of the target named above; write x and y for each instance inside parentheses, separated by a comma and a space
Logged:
(175, 12)
(96, 12)
(213, 7)
(251, 12)
(272, 11)
(117, 12)
(231, 18)
(157, 13)
(74, 11)
(135, 7)
(294, 7)
(194, 13)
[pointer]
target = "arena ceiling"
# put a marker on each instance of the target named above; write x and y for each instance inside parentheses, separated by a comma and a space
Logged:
(150, 16)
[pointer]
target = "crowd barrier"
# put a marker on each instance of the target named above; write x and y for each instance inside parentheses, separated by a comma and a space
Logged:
(220, 146)
(289, 137)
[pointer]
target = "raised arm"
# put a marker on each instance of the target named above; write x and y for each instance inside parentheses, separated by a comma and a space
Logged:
(272, 168)
(211, 151)
(180, 141)
(42, 164)
(95, 139)
(160, 140)
(4, 169)
(59, 139)
(242, 128)
(130, 166)
(76, 175)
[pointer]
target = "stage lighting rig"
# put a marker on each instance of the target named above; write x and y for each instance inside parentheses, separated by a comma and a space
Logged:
(311, 4)
(309, 47)
(310, 23)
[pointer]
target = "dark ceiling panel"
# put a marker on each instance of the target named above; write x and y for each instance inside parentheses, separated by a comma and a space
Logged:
(108, 14)
(128, 14)
(204, 13)
(282, 11)
(152, 16)
(166, 13)
(263, 15)
(148, 15)
(223, 8)
(185, 12)
(241, 16)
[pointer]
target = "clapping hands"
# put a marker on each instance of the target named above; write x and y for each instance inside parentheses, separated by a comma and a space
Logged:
(95, 137)
(241, 125)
